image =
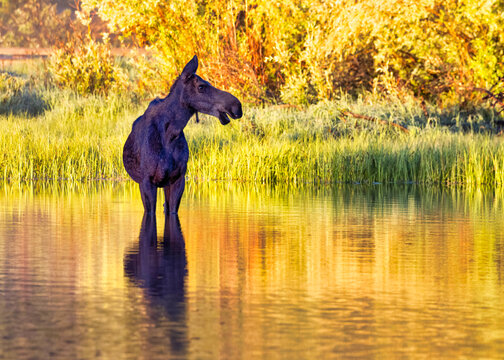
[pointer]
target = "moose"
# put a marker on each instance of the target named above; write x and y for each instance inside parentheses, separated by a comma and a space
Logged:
(156, 152)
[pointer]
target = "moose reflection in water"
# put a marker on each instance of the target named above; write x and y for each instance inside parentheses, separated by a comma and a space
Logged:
(161, 271)
(156, 152)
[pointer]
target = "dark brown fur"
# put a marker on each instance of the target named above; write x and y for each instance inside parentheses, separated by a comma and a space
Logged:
(155, 154)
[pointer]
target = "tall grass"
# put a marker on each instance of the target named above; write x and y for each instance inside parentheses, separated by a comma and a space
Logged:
(315, 146)
(78, 138)
(81, 138)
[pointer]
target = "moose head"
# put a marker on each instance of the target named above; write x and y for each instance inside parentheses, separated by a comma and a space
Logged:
(201, 96)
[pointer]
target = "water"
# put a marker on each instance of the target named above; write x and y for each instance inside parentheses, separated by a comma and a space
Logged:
(251, 272)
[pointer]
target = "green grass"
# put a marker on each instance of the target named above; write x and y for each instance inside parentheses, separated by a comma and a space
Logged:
(81, 138)
(314, 145)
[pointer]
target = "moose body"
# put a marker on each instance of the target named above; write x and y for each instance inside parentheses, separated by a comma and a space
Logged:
(155, 154)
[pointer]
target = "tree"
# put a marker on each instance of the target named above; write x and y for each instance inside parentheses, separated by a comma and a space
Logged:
(33, 23)
(304, 51)
(234, 39)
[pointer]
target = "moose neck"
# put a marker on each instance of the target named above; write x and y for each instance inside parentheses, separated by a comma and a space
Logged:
(178, 113)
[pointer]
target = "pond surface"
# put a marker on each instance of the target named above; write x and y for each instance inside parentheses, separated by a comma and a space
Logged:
(251, 272)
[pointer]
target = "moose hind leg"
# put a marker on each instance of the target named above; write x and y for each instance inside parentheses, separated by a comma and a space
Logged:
(173, 195)
(149, 196)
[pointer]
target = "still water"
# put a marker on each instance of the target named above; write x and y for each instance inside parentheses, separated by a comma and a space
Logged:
(251, 272)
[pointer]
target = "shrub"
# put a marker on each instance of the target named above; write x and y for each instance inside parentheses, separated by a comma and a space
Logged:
(87, 67)
(32, 23)
(304, 51)
(17, 96)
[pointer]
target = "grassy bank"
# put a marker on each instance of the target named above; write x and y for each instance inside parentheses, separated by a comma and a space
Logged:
(81, 138)
(316, 145)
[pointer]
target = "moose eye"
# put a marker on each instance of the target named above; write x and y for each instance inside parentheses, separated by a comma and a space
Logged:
(201, 88)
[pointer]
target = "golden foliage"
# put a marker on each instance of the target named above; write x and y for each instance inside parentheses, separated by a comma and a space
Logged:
(87, 67)
(303, 51)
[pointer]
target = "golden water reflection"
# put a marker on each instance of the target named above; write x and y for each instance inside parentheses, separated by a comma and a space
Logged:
(252, 271)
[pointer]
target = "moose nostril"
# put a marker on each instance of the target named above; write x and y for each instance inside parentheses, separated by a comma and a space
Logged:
(237, 111)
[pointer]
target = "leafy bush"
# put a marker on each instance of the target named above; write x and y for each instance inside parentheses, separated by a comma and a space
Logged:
(304, 51)
(234, 41)
(33, 23)
(87, 67)
(17, 96)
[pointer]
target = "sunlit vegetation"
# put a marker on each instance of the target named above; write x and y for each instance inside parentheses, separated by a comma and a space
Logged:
(302, 69)
(296, 51)
(316, 146)
(35, 23)
(301, 51)
(81, 138)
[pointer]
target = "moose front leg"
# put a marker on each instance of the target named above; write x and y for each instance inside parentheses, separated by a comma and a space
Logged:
(173, 194)
(149, 196)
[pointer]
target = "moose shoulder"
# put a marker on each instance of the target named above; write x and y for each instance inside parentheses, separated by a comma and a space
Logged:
(155, 154)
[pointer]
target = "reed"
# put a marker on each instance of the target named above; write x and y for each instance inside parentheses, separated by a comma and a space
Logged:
(76, 138)
(81, 138)
(315, 146)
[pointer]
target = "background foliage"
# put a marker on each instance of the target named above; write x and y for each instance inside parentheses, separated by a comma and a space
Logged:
(19, 96)
(34, 23)
(294, 51)
(302, 51)
(87, 67)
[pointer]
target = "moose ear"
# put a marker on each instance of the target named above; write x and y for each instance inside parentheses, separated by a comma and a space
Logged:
(190, 68)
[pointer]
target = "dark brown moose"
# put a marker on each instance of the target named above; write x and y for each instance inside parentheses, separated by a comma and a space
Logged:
(155, 154)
